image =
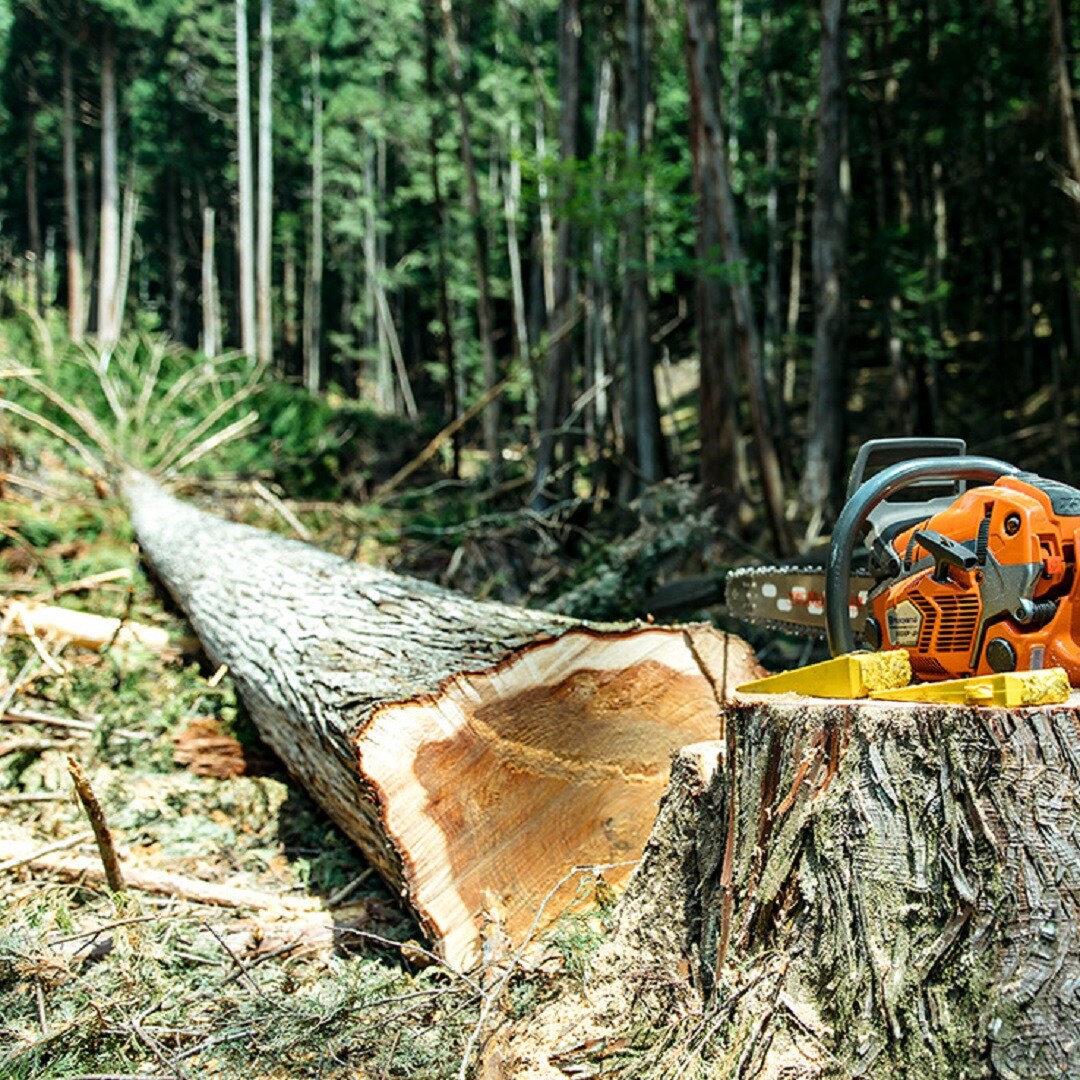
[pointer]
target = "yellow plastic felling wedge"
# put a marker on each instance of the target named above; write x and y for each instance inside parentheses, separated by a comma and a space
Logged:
(853, 675)
(1010, 689)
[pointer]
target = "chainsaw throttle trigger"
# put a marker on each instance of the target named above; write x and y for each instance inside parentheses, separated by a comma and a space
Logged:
(945, 553)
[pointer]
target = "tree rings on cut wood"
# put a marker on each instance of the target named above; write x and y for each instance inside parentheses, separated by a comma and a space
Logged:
(556, 757)
(476, 752)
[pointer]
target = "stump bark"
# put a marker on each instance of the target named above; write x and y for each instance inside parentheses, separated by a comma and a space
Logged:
(475, 751)
(844, 889)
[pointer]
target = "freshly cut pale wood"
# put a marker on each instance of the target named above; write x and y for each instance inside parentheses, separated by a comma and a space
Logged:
(475, 751)
(82, 628)
(845, 889)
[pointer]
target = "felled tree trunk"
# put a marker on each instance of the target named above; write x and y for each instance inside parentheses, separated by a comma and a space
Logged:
(846, 890)
(476, 752)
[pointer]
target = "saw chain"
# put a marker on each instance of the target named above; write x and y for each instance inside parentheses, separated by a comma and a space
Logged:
(790, 599)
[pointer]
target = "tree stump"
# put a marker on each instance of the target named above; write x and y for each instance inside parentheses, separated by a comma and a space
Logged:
(844, 889)
(476, 752)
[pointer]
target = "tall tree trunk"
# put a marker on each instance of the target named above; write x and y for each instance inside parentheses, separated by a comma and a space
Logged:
(598, 321)
(384, 372)
(543, 193)
(290, 336)
(127, 242)
(484, 313)
(511, 208)
(902, 391)
(445, 341)
(773, 332)
(822, 474)
(795, 276)
(211, 318)
(645, 445)
(75, 298)
(387, 329)
(90, 237)
(557, 381)
(108, 328)
(314, 280)
(174, 257)
(264, 240)
(703, 47)
(1062, 81)
(718, 394)
(246, 191)
(33, 208)
(1062, 89)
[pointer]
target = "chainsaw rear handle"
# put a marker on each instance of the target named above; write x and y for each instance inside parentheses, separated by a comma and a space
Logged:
(857, 510)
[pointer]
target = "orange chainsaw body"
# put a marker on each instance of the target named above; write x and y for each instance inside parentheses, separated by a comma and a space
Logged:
(988, 584)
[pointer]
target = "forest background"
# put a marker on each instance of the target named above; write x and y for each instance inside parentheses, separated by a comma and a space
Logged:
(805, 225)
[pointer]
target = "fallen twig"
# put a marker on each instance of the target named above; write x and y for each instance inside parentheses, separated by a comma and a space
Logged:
(32, 797)
(33, 746)
(447, 432)
(276, 504)
(31, 855)
(102, 834)
(31, 485)
(84, 584)
(336, 897)
(161, 882)
(81, 627)
(241, 966)
(79, 728)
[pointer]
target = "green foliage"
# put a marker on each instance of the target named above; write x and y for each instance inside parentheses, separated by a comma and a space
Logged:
(156, 406)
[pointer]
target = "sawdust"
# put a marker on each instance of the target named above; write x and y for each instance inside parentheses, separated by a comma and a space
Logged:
(885, 670)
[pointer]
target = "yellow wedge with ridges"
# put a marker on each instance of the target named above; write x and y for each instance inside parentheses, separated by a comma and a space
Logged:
(853, 675)
(1009, 690)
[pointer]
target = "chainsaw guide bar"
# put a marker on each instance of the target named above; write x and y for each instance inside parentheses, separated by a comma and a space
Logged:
(790, 599)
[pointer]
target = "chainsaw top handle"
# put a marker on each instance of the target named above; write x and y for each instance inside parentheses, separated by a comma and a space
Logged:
(857, 510)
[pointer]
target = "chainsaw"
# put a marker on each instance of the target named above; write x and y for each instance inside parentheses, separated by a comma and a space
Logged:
(966, 562)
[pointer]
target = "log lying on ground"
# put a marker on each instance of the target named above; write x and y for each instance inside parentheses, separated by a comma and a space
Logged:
(476, 752)
(846, 890)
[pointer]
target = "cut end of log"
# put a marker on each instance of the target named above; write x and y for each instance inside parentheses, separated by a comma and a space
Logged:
(555, 758)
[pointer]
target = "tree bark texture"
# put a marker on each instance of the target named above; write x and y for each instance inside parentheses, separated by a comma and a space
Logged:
(33, 205)
(445, 340)
(824, 448)
(718, 399)
(211, 314)
(850, 890)
(703, 52)
(645, 444)
(313, 281)
(476, 752)
(1063, 90)
(558, 376)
